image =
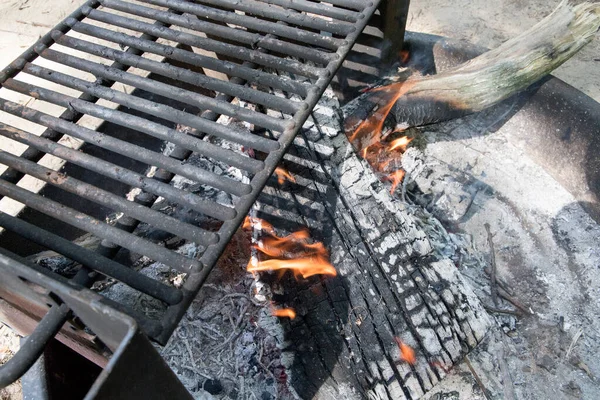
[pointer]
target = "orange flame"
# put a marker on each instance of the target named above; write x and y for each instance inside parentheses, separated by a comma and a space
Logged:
(396, 178)
(400, 143)
(369, 140)
(406, 352)
(284, 312)
(283, 175)
(292, 252)
(404, 56)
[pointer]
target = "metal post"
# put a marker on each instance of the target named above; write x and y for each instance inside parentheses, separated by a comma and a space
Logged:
(394, 14)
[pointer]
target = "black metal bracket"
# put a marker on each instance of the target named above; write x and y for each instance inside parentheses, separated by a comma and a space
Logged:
(134, 371)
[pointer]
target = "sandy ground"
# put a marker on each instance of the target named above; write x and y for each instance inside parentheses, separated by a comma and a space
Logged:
(479, 21)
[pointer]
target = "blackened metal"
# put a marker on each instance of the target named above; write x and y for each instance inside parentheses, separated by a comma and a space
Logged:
(225, 67)
(99, 228)
(110, 200)
(92, 260)
(30, 54)
(154, 129)
(276, 13)
(176, 93)
(120, 174)
(34, 346)
(253, 40)
(184, 75)
(239, 52)
(318, 8)
(253, 23)
(107, 142)
(246, 82)
(209, 258)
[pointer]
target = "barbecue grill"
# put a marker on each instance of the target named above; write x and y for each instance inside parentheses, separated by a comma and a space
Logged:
(140, 71)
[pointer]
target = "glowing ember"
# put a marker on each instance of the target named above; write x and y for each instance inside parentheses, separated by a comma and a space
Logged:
(406, 352)
(292, 252)
(284, 312)
(396, 178)
(283, 175)
(404, 56)
(399, 143)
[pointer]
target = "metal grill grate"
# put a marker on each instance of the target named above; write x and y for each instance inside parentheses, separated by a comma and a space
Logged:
(115, 78)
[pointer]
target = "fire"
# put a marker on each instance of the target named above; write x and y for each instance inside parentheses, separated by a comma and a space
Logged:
(406, 352)
(284, 312)
(399, 143)
(396, 178)
(404, 56)
(283, 175)
(292, 253)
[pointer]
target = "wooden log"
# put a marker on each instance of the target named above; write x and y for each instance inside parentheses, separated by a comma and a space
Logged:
(479, 83)
(390, 282)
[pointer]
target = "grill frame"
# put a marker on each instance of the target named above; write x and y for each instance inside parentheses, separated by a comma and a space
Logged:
(122, 62)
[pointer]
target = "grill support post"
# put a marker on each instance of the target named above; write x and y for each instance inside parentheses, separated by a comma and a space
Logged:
(394, 15)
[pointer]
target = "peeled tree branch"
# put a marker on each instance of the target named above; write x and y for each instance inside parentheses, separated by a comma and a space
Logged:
(477, 84)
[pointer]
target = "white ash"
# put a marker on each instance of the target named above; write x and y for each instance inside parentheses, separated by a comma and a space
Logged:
(547, 252)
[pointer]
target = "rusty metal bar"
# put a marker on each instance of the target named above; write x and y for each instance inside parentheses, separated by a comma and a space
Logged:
(176, 93)
(276, 13)
(92, 260)
(99, 228)
(250, 22)
(110, 200)
(226, 49)
(225, 67)
(223, 31)
(184, 75)
(107, 142)
(119, 173)
(318, 8)
(163, 111)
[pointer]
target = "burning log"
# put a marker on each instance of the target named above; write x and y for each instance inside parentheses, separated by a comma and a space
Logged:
(477, 84)
(395, 316)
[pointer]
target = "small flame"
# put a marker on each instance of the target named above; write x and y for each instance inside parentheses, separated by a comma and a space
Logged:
(283, 175)
(400, 143)
(404, 56)
(292, 252)
(406, 352)
(396, 178)
(284, 312)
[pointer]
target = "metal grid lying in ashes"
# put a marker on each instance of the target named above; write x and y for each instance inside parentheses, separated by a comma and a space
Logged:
(106, 89)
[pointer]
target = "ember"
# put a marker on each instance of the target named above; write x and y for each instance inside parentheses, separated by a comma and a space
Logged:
(283, 175)
(406, 352)
(284, 312)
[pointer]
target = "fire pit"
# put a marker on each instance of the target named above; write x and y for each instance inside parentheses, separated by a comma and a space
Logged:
(358, 287)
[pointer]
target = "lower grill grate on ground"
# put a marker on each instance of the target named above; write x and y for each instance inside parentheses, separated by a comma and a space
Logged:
(110, 105)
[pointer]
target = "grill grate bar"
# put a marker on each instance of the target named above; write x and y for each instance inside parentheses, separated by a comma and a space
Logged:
(182, 74)
(238, 52)
(119, 173)
(182, 95)
(353, 4)
(266, 64)
(109, 143)
(276, 13)
(319, 9)
(225, 67)
(154, 129)
(91, 259)
(99, 228)
(110, 200)
(223, 31)
(253, 23)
